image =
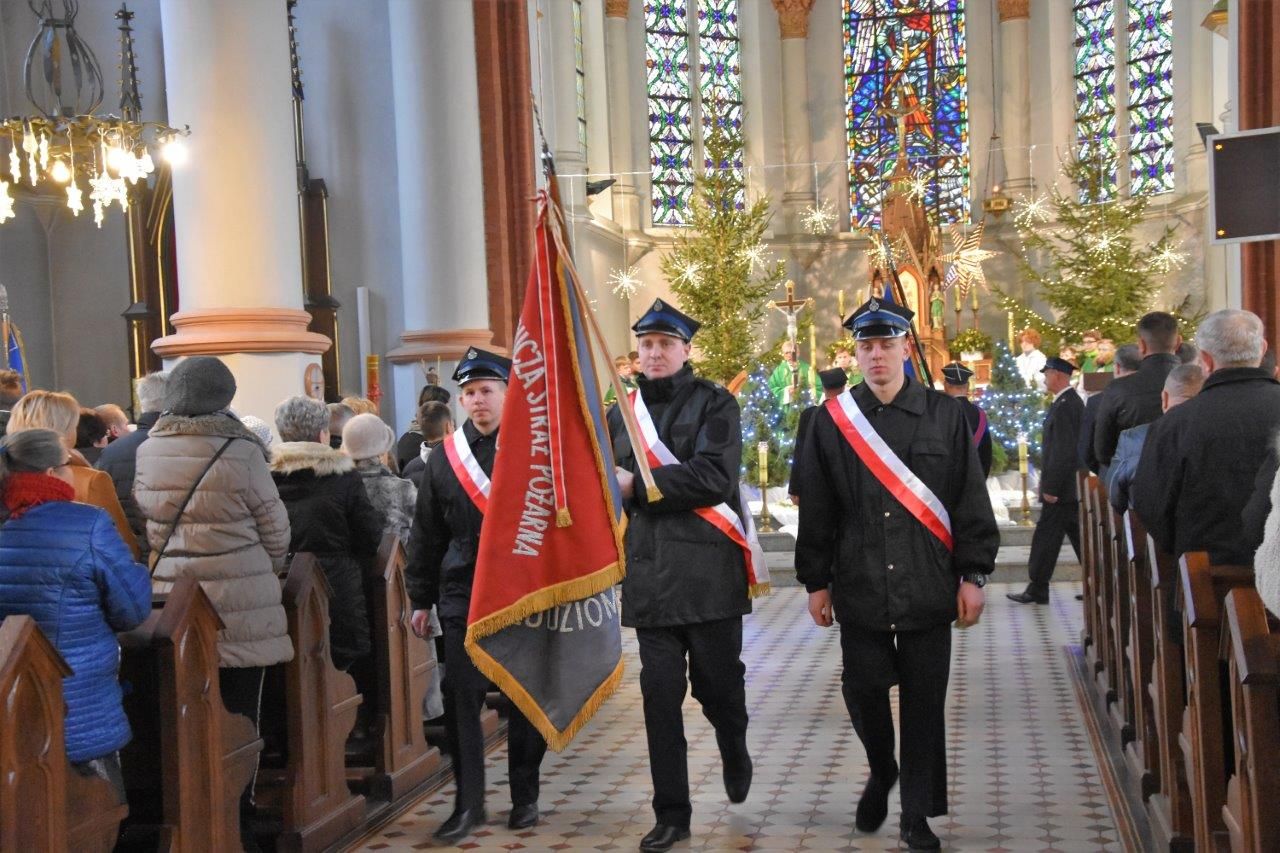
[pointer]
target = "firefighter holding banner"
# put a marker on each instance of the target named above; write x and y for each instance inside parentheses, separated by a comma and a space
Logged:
(896, 540)
(441, 564)
(690, 572)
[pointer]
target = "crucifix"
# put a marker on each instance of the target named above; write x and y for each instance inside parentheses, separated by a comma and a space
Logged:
(791, 308)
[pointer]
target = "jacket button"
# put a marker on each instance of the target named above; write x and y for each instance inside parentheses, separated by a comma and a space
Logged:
(886, 515)
(893, 626)
(891, 567)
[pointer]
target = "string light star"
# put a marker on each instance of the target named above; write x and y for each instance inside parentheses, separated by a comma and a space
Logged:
(966, 257)
(755, 256)
(1169, 258)
(819, 218)
(625, 282)
(1105, 244)
(690, 273)
(6, 202)
(1032, 212)
(918, 186)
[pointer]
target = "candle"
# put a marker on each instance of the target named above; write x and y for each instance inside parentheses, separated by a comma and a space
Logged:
(1013, 345)
(763, 448)
(975, 299)
(813, 347)
(840, 304)
(1022, 454)
(959, 300)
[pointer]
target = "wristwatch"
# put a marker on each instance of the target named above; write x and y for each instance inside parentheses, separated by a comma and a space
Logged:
(978, 579)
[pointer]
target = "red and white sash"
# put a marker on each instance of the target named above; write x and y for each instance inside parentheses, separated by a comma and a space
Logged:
(982, 428)
(720, 516)
(891, 471)
(468, 471)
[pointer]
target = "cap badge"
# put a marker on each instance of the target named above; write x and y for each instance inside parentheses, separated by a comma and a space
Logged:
(873, 305)
(471, 353)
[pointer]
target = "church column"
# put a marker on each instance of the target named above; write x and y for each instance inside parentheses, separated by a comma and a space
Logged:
(560, 90)
(440, 189)
(1015, 86)
(235, 205)
(793, 23)
(1258, 96)
(626, 196)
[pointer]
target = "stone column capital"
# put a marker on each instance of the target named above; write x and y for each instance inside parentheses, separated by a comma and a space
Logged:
(793, 17)
(617, 8)
(1013, 10)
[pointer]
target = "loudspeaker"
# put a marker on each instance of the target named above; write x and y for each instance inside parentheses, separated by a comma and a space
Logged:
(1244, 186)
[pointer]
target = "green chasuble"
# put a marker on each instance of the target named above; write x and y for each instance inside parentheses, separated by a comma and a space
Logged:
(780, 383)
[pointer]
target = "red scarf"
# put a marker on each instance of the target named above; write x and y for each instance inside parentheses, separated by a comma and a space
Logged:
(23, 490)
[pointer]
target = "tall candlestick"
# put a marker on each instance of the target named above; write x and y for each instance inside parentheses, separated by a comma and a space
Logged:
(1025, 521)
(975, 299)
(1022, 454)
(1013, 345)
(765, 525)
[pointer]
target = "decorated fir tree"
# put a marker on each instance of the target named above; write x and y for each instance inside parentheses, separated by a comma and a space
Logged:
(1012, 408)
(765, 419)
(716, 266)
(1084, 255)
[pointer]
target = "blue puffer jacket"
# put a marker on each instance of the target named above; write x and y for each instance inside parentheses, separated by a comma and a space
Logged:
(64, 564)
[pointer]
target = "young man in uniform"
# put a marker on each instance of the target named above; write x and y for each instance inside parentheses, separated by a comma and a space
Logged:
(441, 565)
(897, 539)
(955, 380)
(688, 578)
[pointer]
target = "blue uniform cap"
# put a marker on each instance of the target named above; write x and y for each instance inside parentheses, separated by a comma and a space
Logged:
(879, 319)
(664, 319)
(481, 364)
(956, 373)
(1055, 363)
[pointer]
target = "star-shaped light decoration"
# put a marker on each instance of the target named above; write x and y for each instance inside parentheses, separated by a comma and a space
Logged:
(883, 252)
(819, 218)
(1169, 258)
(690, 273)
(6, 202)
(756, 257)
(966, 257)
(625, 282)
(1032, 212)
(1104, 244)
(75, 198)
(918, 186)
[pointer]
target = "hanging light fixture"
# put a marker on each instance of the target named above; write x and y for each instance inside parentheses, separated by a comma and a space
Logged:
(64, 146)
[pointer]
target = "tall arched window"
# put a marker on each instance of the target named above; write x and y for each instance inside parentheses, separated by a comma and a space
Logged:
(580, 76)
(904, 67)
(1147, 27)
(693, 74)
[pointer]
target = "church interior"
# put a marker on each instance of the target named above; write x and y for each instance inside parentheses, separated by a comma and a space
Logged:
(347, 201)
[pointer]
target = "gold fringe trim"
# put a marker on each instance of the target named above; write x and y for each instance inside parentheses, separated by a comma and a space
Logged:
(756, 590)
(574, 589)
(557, 740)
(563, 519)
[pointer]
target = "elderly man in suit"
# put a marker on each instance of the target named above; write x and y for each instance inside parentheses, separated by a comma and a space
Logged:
(1058, 497)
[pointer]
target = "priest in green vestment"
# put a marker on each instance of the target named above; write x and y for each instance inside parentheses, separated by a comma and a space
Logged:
(792, 376)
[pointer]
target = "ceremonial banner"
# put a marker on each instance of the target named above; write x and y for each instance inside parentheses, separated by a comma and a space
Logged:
(544, 620)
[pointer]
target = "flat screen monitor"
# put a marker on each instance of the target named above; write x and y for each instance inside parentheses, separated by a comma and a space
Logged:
(1244, 186)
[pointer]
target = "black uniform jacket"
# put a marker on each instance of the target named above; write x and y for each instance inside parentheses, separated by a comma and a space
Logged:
(1060, 440)
(446, 532)
(1127, 402)
(1199, 463)
(796, 482)
(889, 572)
(973, 417)
(680, 569)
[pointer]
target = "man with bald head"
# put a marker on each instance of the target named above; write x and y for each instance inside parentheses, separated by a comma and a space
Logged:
(1188, 488)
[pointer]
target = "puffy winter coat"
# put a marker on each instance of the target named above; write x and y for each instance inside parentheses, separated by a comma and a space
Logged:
(64, 564)
(331, 516)
(119, 461)
(232, 536)
(96, 489)
(393, 497)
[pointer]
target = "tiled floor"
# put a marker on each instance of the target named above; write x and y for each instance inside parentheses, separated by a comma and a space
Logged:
(1023, 774)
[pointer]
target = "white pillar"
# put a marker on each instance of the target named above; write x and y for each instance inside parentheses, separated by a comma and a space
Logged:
(626, 198)
(1015, 87)
(793, 25)
(559, 97)
(235, 202)
(440, 188)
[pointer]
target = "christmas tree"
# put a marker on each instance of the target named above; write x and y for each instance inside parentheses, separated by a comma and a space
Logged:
(1093, 269)
(717, 266)
(765, 419)
(1012, 408)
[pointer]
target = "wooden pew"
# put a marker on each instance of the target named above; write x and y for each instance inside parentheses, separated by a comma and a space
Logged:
(1141, 752)
(400, 760)
(1088, 632)
(1169, 808)
(44, 803)
(1204, 736)
(1253, 792)
(1122, 709)
(1103, 589)
(190, 757)
(309, 708)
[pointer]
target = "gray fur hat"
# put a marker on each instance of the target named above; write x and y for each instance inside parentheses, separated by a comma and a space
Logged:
(199, 385)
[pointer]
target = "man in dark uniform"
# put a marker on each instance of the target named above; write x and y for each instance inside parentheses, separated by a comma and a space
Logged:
(441, 564)
(1059, 502)
(955, 380)
(833, 381)
(897, 539)
(687, 585)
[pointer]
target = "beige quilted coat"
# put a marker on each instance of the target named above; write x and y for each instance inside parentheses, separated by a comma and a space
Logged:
(232, 537)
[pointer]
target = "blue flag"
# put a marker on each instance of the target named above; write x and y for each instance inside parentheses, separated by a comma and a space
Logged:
(15, 356)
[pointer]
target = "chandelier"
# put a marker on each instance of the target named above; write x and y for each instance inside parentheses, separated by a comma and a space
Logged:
(64, 147)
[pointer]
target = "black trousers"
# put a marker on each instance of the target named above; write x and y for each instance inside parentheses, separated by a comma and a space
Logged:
(1056, 521)
(241, 689)
(919, 662)
(716, 671)
(464, 691)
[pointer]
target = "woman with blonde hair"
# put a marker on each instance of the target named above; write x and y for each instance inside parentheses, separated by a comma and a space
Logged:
(59, 411)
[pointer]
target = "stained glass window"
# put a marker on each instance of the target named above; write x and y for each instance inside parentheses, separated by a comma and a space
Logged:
(1095, 43)
(1151, 96)
(904, 69)
(580, 76)
(685, 56)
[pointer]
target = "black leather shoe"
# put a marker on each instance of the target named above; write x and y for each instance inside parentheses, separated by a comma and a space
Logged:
(916, 834)
(523, 817)
(459, 825)
(662, 838)
(873, 806)
(1027, 598)
(737, 770)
